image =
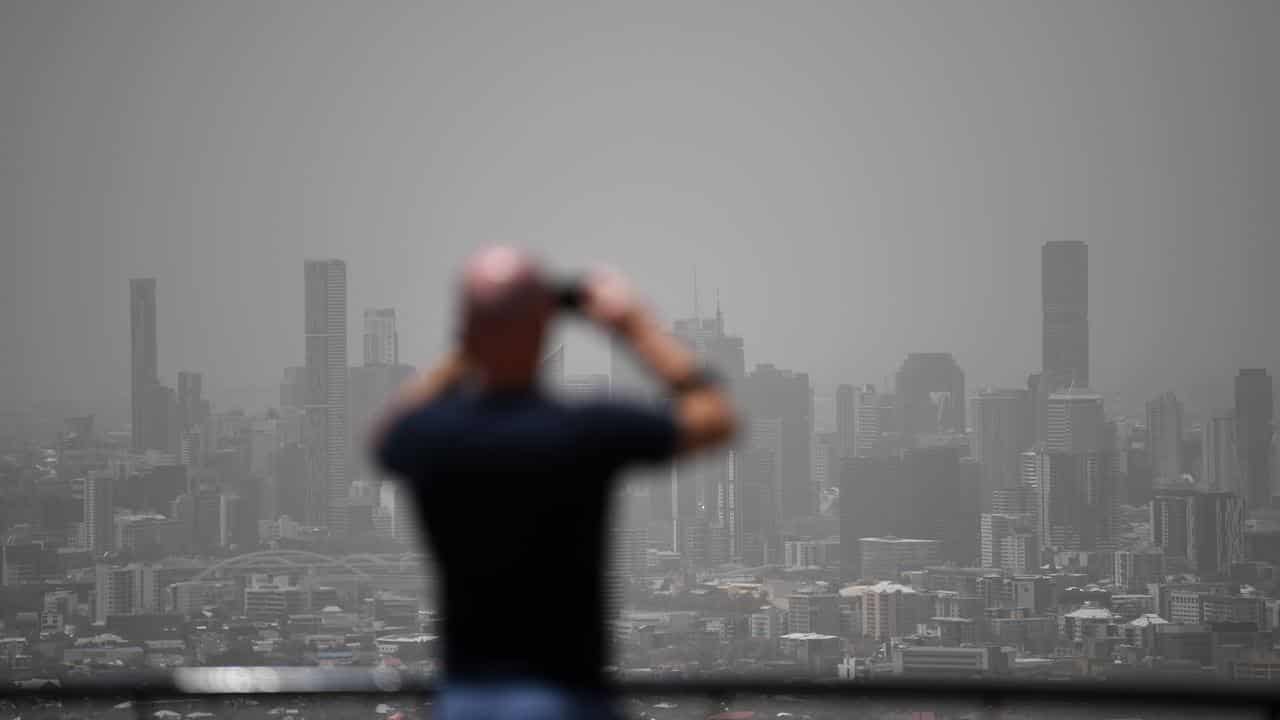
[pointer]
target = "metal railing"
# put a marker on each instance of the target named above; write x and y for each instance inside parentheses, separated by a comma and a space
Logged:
(143, 692)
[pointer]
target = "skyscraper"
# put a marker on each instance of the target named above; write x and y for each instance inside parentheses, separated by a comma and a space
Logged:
(293, 387)
(381, 343)
(192, 407)
(148, 430)
(930, 393)
(1164, 437)
(770, 393)
(1002, 431)
(871, 415)
(1220, 466)
(1075, 422)
(1254, 413)
(1064, 278)
(700, 483)
(326, 402)
(1075, 499)
(845, 423)
(99, 511)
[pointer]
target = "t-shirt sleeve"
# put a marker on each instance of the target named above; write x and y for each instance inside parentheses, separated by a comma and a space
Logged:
(632, 433)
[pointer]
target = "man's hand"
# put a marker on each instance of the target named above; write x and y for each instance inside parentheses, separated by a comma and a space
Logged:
(705, 414)
(609, 300)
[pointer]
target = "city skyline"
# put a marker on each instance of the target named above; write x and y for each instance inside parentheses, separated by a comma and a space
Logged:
(976, 298)
(1181, 236)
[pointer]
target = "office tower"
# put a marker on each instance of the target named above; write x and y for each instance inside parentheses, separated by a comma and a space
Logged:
(870, 416)
(381, 343)
(1220, 465)
(192, 407)
(1075, 499)
(1164, 437)
(326, 401)
(752, 514)
(1008, 542)
(1216, 536)
(930, 395)
(825, 463)
(149, 409)
(845, 422)
(1064, 285)
(1204, 530)
(369, 388)
(1002, 431)
(1076, 422)
(928, 493)
(1254, 413)
(99, 511)
(770, 393)
(702, 481)
(293, 388)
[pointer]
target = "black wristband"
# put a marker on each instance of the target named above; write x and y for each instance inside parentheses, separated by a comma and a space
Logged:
(702, 377)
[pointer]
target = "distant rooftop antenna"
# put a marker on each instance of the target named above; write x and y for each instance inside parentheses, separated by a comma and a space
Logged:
(719, 314)
(697, 314)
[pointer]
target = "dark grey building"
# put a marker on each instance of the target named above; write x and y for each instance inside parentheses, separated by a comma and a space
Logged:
(1255, 409)
(770, 393)
(930, 395)
(1003, 428)
(148, 431)
(1064, 277)
(326, 400)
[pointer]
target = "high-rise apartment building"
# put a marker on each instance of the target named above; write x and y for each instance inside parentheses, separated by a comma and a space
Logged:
(326, 401)
(381, 342)
(99, 511)
(1002, 430)
(1076, 500)
(1008, 543)
(930, 395)
(1164, 437)
(1064, 285)
(1220, 464)
(871, 413)
(193, 409)
(1255, 409)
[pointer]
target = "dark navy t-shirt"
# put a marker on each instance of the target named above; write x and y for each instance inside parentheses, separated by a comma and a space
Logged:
(513, 491)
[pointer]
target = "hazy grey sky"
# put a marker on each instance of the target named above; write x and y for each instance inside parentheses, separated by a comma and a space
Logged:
(859, 180)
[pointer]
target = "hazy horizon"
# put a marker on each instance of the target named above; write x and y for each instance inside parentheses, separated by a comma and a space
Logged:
(856, 181)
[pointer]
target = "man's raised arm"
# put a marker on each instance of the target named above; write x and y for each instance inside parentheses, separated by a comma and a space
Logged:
(704, 412)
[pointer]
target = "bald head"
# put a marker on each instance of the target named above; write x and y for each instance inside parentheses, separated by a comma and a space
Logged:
(500, 280)
(506, 304)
